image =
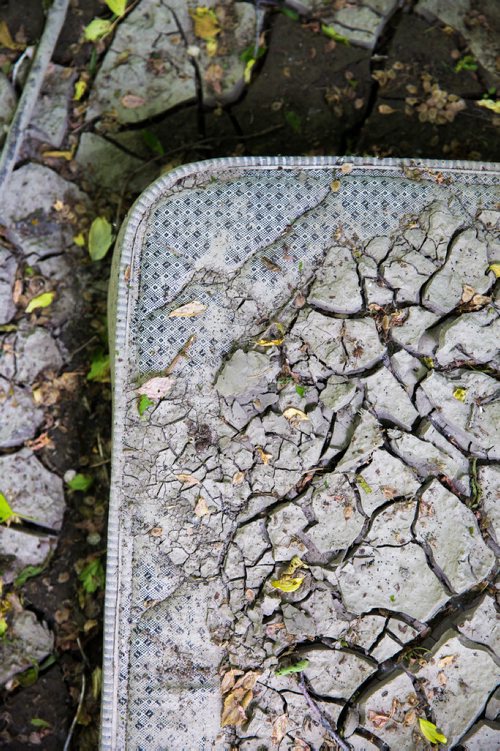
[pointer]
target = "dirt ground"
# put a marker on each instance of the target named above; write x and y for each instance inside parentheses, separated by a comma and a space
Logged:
(308, 95)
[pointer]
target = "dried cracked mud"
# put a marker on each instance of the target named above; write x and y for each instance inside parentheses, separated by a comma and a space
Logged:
(313, 488)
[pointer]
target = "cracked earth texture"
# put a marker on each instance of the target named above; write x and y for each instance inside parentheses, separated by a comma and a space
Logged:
(324, 409)
(388, 491)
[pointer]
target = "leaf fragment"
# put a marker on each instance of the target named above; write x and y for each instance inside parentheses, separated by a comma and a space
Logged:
(80, 89)
(187, 479)
(280, 726)
(288, 584)
(294, 415)
(7, 515)
(330, 32)
(297, 667)
(460, 394)
(265, 458)
(430, 732)
(346, 168)
(99, 367)
(92, 576)
(40, 301)
(117, 6)
(80, 482)
(490, 104)
(363, 484)
(335, 186)
(269, 342)
(6, 38)
(201, 509)
(189, 310)
(495, 267)
(156, 388)
(143, 404)
(100, 238)
(385, 109)
(97, 29)
(206, 26)
(132, 101)
(27, 573)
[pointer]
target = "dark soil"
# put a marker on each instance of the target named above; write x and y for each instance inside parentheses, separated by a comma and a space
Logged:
(309, 96)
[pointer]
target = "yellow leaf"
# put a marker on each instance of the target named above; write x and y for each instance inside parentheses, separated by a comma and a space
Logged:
(295, 415)
(294, 564)
(460, 394)
(190, 310)
(68, 154)
(263, 456)
(79, 239)
(269, 342)
(247, 75)
(287, 584)
(384, 109)
(489, 104)
(187, 479)
(40, 301)
(97, 29)
(495, 267)
(80, 89)
(430, 732)
(335, 186)
(116, 6)
(211, 47)
(6, 38)
(206, 25)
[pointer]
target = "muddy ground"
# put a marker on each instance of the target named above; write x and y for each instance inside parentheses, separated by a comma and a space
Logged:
(308, 95)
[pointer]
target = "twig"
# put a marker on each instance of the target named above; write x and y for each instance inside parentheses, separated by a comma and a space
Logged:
(341, 743)
(31, 90)
(181, 353)
(75, 718)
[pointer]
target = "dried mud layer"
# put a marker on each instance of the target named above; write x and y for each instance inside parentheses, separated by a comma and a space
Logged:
(312, 485)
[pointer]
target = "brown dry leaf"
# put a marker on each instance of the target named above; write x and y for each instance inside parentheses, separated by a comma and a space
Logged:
(189, 310)
(384, 109)
(468, 293)
(213, 76)
(294, 415)
(238, 478)
(348, 512)
(42, 442)
(132, 101)
(201, 509)
(187, 479)
(279, 729)
(156, 531)
(447, 660)
(265, 458)
(346, 168)
(410, 718)
(335, 186)
(51, 391)
(228, 679)
(6, 38)
(17, 291)
(156, 388)
(378, 719)
(247, 681)
(443, 680)
(232, 713)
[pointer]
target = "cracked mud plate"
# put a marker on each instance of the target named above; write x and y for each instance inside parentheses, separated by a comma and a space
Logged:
(303, 366)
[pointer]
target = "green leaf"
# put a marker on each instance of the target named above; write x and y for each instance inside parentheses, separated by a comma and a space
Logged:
(292, 14)
(80, 482)
(144, 403)
(466, 63)
(29, 676)
(296, 668)
(27, 573)
(293, 121)
(153, 142)
(250, 54)
(100, 238)
(97, 29)
(363, 484)
(37, 722)
(430, 731)
(301, 390)
(92, 576)
(6, 513)
(99, 368)
(40, 301)
(116, 6)
(331, 33)
(3, 626)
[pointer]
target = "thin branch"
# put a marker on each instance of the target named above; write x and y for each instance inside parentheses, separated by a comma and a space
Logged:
(341, 743)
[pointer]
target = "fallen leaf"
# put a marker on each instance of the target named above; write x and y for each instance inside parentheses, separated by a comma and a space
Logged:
(79, 239)
(270, 265)
(132, 101)
(100, 238)
(41, 442)
(143, 404)
(384, 109)
(80, 482)
(238, 478)
(238, 699)
(156, 531)
(295, 415)
(7, 515)
(97, 29)
(489, 104)
(495, 267)
(280, 725)
(233, 713)
(247, 73)
(269, 342)
(447, 660)
(68, 154)
(332, 33)
(40, 301)
(80, 89)
(346, 168)
(265, 458)
(348, 512)
(189, 310)
(247, 681)
(228, 679)
(443, 680)
(187, 479)
(201, 509)
(6, 38)
(99, 367)
(335, 186)
(156, 388)
(378, 719)
(468, 293)
(288, 584)
(430, 731)
(213, 76)
(410, 718)
(363, 484)
(117, 6)
(205, 22)
(297, 667)
(460, 394)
